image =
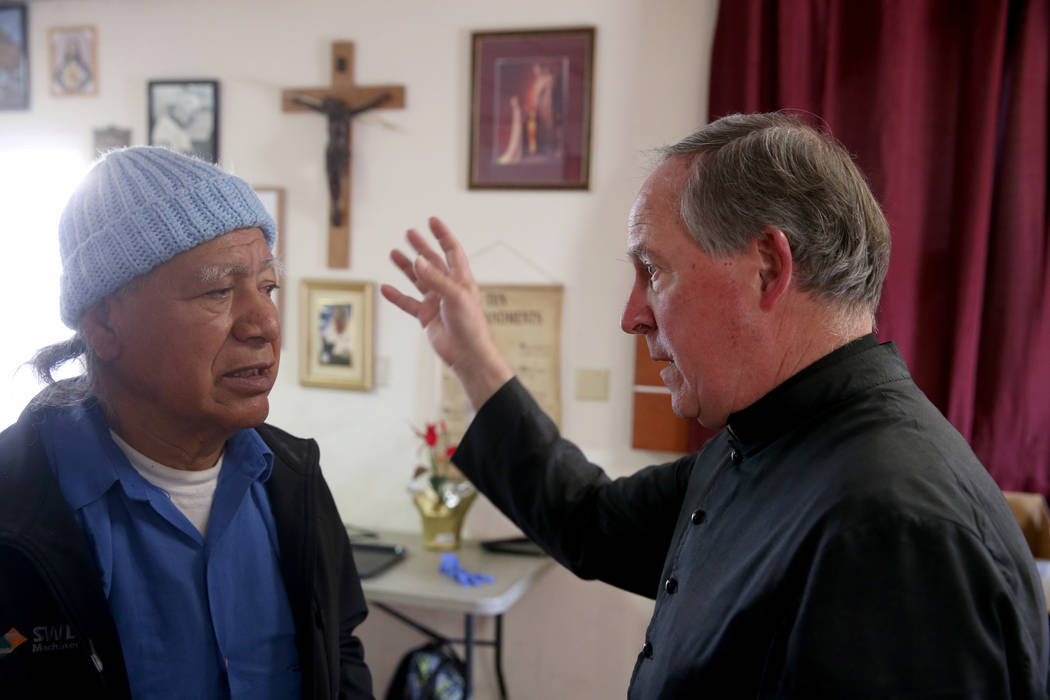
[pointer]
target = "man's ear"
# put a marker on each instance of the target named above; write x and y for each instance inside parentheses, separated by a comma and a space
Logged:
(775, 267)
(100, 331)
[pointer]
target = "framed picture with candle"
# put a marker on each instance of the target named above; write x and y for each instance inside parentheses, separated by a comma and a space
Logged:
(530, 123)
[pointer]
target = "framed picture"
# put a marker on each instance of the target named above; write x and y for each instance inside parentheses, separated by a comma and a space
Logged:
(110, 137)
(336, 336)
(272, 199)
(74, 61)
(14, 57)
(184, 116)
(530, 117)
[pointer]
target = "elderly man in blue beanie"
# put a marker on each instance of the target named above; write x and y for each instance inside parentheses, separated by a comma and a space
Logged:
(157, 539)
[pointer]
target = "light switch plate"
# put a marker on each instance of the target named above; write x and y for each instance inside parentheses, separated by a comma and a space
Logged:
(592, 384)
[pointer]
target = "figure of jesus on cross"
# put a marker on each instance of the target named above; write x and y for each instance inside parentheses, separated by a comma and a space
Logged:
(341, 103)
(337, 153)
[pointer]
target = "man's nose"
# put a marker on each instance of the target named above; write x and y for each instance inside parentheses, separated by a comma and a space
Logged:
(257, 319)
(637, 316)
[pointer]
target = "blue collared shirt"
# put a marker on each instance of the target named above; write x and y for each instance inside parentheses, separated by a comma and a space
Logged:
(197, 618)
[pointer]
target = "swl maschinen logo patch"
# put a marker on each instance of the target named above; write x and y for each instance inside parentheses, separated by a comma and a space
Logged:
(11, 641)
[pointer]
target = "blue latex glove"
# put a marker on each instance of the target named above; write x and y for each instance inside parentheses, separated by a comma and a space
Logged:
(451, 568)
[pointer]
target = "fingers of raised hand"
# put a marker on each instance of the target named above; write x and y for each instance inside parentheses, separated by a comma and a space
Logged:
(429, 272)
(419, 244)
(431, 278)
(402, 301)
(407, 266)
(424, 311)
(457, 259)
(404, 264)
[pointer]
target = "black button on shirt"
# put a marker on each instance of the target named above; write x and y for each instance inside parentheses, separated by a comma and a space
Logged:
(698, 516)
(647, 649)
(671, 585)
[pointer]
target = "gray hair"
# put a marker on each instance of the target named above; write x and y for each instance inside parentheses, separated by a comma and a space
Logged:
(750, 171)
(65, 392)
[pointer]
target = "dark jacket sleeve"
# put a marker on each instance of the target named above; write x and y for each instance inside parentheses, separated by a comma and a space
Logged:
(617, 531)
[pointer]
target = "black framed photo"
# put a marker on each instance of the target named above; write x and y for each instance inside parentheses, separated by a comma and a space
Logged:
(530, 117)
(14, 57)
(184, 116)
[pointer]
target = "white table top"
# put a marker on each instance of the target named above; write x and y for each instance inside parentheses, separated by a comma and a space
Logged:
(416, 581)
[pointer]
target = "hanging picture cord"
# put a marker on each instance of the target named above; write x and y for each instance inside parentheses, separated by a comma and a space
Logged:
(517, 253)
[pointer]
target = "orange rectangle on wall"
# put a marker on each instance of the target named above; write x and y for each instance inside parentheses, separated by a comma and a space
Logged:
(646, 372)
(656, 427)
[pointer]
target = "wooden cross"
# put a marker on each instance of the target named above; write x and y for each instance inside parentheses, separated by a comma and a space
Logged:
(341, 102)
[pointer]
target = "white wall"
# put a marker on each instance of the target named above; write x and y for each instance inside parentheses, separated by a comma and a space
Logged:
(566, 638)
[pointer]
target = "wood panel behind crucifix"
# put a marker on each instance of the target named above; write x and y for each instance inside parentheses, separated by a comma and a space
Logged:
(340, 103)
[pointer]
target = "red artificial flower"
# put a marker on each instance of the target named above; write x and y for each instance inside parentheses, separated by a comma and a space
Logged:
(431, 436)
(450, 451)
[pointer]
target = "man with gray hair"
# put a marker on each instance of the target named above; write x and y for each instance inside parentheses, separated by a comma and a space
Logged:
(837, 538)
(157, 540)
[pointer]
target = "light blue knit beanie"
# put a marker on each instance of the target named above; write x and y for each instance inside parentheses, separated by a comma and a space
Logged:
(139, 207)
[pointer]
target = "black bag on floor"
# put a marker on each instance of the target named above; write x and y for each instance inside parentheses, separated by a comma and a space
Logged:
(430, 672)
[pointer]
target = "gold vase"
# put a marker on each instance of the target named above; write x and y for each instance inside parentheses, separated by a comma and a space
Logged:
(441, 524)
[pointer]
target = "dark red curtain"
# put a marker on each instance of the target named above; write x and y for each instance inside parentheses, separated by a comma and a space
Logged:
(944, 104)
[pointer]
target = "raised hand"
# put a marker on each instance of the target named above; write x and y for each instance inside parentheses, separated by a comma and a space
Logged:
(450, 311)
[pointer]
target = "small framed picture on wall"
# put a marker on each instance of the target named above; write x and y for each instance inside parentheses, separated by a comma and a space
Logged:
(14, 57)
(335, 347)
(530, 117)
(74, 61)
(184, 116)
(110, 137)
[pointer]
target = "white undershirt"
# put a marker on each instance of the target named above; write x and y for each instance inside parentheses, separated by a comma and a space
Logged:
(191, 491)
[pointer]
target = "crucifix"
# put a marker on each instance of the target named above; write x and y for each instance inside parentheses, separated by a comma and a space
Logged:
(340, 103)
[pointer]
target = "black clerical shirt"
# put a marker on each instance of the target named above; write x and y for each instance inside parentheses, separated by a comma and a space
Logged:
(838, 540)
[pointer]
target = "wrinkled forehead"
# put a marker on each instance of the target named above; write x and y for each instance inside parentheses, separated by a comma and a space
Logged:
(244, 251)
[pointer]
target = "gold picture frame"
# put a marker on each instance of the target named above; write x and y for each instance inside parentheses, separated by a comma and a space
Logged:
(74, 61)
(336, 347)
